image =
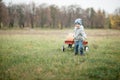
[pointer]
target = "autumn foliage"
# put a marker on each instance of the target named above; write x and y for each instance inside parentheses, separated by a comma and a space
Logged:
(115, 21)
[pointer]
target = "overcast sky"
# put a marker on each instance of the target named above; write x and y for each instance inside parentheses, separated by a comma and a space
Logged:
(108, 5)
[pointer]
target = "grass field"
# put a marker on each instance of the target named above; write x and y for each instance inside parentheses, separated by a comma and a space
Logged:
(37, 55)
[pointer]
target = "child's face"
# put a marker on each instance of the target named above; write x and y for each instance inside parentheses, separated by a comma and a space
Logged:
(77, 25)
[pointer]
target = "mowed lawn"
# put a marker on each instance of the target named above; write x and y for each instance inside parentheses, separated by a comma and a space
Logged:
(37, 55)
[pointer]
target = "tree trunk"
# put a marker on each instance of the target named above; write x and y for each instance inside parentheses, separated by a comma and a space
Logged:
(0, 25)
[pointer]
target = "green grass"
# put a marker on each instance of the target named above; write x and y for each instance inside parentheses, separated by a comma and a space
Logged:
(37, 55)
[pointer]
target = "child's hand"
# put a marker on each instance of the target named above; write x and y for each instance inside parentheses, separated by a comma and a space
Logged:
(84, 39)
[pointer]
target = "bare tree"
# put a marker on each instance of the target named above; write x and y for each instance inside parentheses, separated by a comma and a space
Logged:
(54, 14)
(100, 19)
(11, 10)
(21, 15)
(3, 14)
(32, 13)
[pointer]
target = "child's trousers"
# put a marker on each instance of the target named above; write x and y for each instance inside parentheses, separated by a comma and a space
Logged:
(79, 47)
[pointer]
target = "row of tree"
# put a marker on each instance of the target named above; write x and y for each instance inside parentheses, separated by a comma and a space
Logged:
(51, 16)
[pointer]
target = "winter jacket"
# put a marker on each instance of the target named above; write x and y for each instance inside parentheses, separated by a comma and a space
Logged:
(79, 33)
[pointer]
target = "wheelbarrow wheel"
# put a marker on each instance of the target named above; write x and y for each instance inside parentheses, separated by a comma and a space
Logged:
(63, 48)
(86, 48)
(69, 45)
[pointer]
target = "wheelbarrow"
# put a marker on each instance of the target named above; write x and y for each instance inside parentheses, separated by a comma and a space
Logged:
(70, 42)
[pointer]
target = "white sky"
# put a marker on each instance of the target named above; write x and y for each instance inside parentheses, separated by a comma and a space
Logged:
(108, 5)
